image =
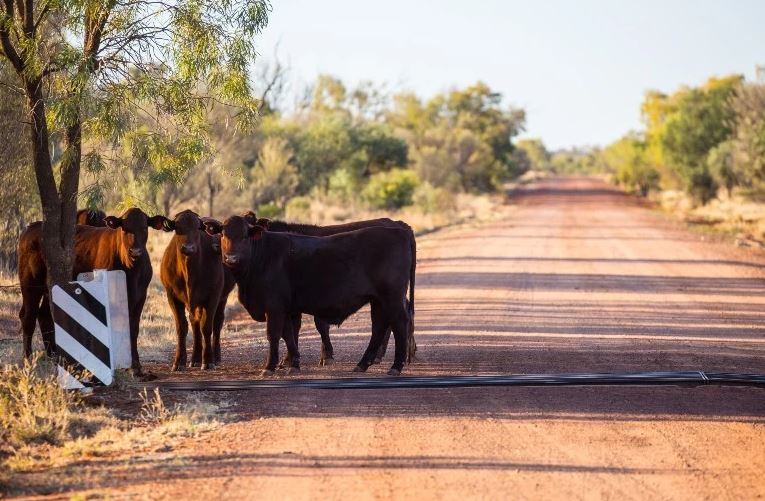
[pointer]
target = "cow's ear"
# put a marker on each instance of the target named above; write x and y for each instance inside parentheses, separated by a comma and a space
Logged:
(113, 222)
(255, 232)
(161, 223)
(250, 217)
(212, 227)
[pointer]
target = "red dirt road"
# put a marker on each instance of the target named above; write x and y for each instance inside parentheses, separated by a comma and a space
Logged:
(580, 279)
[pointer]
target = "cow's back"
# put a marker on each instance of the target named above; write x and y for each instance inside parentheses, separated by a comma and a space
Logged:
(343, 272)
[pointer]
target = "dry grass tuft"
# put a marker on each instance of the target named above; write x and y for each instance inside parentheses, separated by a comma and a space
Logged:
(34, 409)
(738, 216)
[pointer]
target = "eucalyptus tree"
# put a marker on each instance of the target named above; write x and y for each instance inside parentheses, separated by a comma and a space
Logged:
(92, 72)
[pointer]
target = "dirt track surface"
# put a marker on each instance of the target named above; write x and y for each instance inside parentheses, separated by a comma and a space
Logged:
(580, 279)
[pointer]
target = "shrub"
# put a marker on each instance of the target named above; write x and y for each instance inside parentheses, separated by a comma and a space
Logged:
(391, 190)
(342, 186)
(701, 186)
(430, 199)
(298, 209)
(269, 210)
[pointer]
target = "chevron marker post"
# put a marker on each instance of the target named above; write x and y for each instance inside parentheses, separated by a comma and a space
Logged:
(91, 325)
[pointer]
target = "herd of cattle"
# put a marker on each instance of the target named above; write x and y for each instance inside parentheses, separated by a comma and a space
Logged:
(282, 270)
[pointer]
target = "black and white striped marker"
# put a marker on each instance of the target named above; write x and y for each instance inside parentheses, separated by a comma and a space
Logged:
(92, 328)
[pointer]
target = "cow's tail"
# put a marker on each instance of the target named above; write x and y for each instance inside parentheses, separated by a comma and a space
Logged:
(412, 344)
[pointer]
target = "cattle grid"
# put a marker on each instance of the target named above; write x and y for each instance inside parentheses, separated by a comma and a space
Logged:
(691, 378)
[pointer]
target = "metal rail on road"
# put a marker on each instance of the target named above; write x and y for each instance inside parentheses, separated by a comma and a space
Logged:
(368, 383)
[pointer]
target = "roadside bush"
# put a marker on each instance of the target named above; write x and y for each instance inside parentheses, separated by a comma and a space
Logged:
(342, 186)
(432, 200)
(269, 210)
(298, 209)
(701, 186)
(391, 190)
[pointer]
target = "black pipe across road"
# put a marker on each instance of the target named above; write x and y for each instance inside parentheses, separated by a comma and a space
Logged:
(693, 378)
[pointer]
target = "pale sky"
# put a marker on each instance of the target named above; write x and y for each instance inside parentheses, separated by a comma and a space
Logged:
(579, 68)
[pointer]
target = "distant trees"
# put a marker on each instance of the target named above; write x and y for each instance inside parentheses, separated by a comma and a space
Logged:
(462, 139)
(360, 146)
(699, 139)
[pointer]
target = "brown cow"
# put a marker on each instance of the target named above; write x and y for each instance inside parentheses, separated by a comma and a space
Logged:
(119, 246)
(91, 217)
(327, 352)
(281, 275)
(195, 281)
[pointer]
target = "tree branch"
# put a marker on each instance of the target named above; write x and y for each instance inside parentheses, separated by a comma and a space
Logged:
(9, 50)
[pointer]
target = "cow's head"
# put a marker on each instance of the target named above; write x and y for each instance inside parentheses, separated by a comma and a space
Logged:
(188, 229)
(250, 216)
(134, 226)
(237, 239)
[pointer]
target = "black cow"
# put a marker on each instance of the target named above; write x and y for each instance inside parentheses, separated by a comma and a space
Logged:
(327, 352)
(282, 275)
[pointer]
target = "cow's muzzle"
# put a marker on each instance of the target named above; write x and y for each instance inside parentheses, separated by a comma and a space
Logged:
(135, 252)
(188, 249)
(230, 259)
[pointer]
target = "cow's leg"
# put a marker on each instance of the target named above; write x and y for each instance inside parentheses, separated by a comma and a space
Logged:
(291, 341)
(400, 324)
(181, 331)
(135, 325)
(30, 308)
(196, 341)
(45, 319)
(327, 352)
(206, 325)
(292, 327)
(386, 339)
(379, 325)
(383, 347)
(274, 330)
(220, 316)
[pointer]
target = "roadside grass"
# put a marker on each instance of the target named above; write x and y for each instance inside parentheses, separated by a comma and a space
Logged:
(739, 217)
(44, 426)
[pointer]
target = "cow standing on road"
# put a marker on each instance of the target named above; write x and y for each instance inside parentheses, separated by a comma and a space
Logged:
(195, 281)
(282, 275)
(119, 246)
(327, 352)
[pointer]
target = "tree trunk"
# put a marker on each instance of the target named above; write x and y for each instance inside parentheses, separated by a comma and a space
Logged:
(211, 191)
(59, 209)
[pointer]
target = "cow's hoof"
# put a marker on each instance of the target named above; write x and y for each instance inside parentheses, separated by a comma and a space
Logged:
(324, 362)
(359, 368)
(266, 373)
(206, 367)
(194, 364)
(394, 372)
(178, 367)
(292, 370)
(377, 360)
